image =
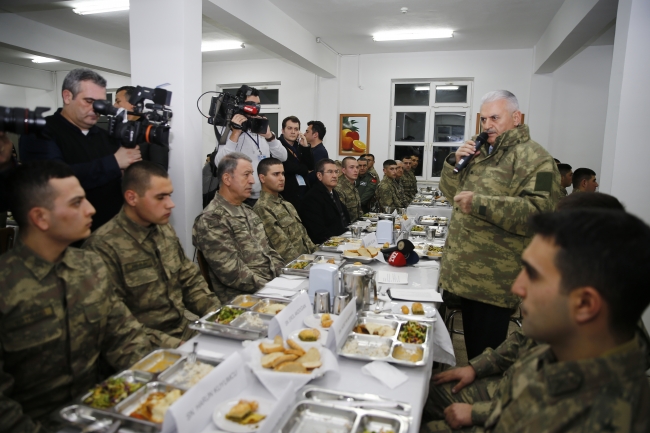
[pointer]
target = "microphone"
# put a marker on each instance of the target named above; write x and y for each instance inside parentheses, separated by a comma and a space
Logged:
(480, 140)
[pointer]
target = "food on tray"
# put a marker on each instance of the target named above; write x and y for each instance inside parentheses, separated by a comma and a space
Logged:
(156, 405)
(398, 226)
(374, 329)
(405, 309)
(417, 308)
(352, 347)
(272, 308)
(298, 265)
(254, 321)
(227, 315)
(381, 430)
(417, 229)
(110, 392)
(412, 332)
(361, 252)
(247, 304)
(412, 355)
(309, 335)
(331, 243)
(434, 250)
(292, 360)
(370, 215)
(244, 412)
(326, 320)
(192, 373)
(386, 245)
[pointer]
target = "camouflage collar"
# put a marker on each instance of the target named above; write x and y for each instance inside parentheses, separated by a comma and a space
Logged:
(512, 137)
(41, 267)
(137, 232)
(220, 205)
(267, 197)
(345, 180)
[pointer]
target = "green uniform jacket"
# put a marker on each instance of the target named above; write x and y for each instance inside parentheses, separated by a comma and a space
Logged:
(350, 198)
(234, 243)
(609, 393)
(283, 227)
(373, 172)
(367, 185)
(409, 184)
(56, 321)
(483, 248)
(163, 289)
(388, 194)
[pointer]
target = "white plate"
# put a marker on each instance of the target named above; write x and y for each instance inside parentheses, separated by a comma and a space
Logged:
(313, 321)
(307, 344)
(219, 415)
(429, 310)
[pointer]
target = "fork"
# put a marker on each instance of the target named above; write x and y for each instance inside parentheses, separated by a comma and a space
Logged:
(191, 358)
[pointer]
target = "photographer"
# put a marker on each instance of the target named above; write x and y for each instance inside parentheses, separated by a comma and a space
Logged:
(255, 146)
(96, 159)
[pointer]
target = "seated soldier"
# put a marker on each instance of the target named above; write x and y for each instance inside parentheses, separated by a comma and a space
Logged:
(163, 289)
(590, 374)
(584, 180)
(347, 190)
(231, 236)
(281, 222)
(388, 192)
(59, 315)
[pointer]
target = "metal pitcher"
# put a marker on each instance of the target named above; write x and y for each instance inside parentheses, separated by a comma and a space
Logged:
(359, 281)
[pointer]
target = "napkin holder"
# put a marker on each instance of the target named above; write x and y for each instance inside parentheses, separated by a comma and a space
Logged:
(384, 231)
(323, 276)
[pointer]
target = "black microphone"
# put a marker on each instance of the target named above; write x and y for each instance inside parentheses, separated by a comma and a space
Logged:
(480, 140)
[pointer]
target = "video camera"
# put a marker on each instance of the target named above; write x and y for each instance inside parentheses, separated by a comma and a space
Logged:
(225, 106)
(22, 121)
(152, 127)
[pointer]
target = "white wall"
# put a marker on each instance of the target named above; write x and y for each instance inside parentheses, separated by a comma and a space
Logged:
(12, 96)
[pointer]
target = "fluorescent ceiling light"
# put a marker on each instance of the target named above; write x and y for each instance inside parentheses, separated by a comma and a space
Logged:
(421, 88)
(446, 87)
(221, 45)
(39, 59)
(402, 35)
(100, 7)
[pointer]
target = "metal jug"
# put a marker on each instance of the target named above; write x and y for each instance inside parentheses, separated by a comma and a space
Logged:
(359, 281)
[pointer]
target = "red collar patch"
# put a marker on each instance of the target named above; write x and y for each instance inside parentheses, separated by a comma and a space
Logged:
(374, 180)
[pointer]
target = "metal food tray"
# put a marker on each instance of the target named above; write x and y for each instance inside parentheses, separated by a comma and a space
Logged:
(242, 301)
(313, 259)
(211, 316)
(423, 222)
(374, 341)
(83, 416)
(361, 259)
(170, 375)
(130, 404)
(330, 396)
(374, 218)
(238, 329)
(257, 308)
(156, 356)
(313, 417)
(419, 232)
(331, 249)
(130, 376)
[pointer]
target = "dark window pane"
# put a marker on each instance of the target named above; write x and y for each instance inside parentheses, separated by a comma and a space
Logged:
(451, 94)
(412, 94)
(273, 121)
(439, 156)
(402, 151)
(449, 127)
(267, 96)
(410, 126)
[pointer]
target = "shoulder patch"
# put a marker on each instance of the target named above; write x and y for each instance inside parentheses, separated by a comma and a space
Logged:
(544, 181)
(374, 180)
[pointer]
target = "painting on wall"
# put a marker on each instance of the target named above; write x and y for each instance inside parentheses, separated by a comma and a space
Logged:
(354, 136)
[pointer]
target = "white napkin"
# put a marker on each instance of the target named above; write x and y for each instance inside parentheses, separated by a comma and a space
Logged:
(443, 350)
(285, 283)
(275, 291)
(292, 277)
(385, 373)
(426, 264)
(415, 295)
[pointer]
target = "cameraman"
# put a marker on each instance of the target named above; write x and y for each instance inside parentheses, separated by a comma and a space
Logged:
(96, 159)
(255, 146)
(155, 153)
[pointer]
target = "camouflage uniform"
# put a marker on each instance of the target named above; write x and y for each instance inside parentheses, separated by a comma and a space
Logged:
(564, 192)
(283, 226)
(234, 243)
(409, 184)
(349, 197)
(575, 191)
(367, 185)
(56, 321)
(388, 194)
(373, 172)
(483, 249)
(163, 289)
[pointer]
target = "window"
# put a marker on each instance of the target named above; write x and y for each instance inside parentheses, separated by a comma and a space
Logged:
(269, 100)
(429, 119)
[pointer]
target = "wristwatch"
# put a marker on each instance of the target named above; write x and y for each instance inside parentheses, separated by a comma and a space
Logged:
(272, 137)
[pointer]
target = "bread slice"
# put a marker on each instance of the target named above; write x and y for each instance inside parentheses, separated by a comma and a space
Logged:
(271, 347)
(291, 367)
(312, 365)
(295, 346)
(364, 252)
(294, 352)
(269, 360)
(284, 358)
(350, 253)
(312, 355)
(373, 251)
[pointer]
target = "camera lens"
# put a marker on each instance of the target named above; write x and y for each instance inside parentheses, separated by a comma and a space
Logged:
(21, 120)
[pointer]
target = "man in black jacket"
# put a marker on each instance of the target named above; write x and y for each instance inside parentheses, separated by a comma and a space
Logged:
(322, 212)
(299, 163)
(96, 158)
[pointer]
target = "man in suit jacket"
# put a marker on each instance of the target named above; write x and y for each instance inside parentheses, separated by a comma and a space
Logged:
(299, 163)
(322, 212)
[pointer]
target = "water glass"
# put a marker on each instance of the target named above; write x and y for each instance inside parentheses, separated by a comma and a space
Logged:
(430, 232)
(340, 302)
(388, 209)
(322, 302)
(356, 231)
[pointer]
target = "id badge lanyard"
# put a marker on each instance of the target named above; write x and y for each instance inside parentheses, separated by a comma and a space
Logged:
(261, 156)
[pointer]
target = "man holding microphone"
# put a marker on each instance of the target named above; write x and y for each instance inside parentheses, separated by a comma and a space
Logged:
(509, 179)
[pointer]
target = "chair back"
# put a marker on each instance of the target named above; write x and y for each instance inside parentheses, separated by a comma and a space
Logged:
(203, 265)
(7, 236)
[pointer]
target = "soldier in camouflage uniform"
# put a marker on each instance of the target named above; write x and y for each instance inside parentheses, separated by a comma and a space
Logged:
(591, 374)
(584, 180)
(163, 289)
(566, 177)
(371, 164)
(503, 185)
(282, 224)
(231, 236)
(346, 189)
(408, 181)
(58, 311)
(388, 193)
(366, 185)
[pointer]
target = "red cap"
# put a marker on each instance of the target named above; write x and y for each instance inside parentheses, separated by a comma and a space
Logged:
(397, 259)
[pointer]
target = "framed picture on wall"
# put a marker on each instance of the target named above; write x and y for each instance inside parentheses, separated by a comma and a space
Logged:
(354, 134)
(479, 127)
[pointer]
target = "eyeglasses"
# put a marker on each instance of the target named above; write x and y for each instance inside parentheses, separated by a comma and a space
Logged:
(331, 172)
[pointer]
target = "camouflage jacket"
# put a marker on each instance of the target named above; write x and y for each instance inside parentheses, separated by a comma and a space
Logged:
(234, 244)
(483, 248)
(604, 394)
(56, 321)
(349, 197)
(374, 172)
(367, 185)
(409, 184)
(283, 227)
(564, 192)
(388, 194)
(163, 289)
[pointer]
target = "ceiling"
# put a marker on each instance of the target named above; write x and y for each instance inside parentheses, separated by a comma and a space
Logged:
(345, 25)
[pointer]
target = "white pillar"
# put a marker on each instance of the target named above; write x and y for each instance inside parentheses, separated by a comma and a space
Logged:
(166, 48)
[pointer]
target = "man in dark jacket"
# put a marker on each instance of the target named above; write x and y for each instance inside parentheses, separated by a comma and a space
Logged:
(322, 212)
(299, 163)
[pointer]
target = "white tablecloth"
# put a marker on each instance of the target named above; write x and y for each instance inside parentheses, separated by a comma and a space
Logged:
(416, 211)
